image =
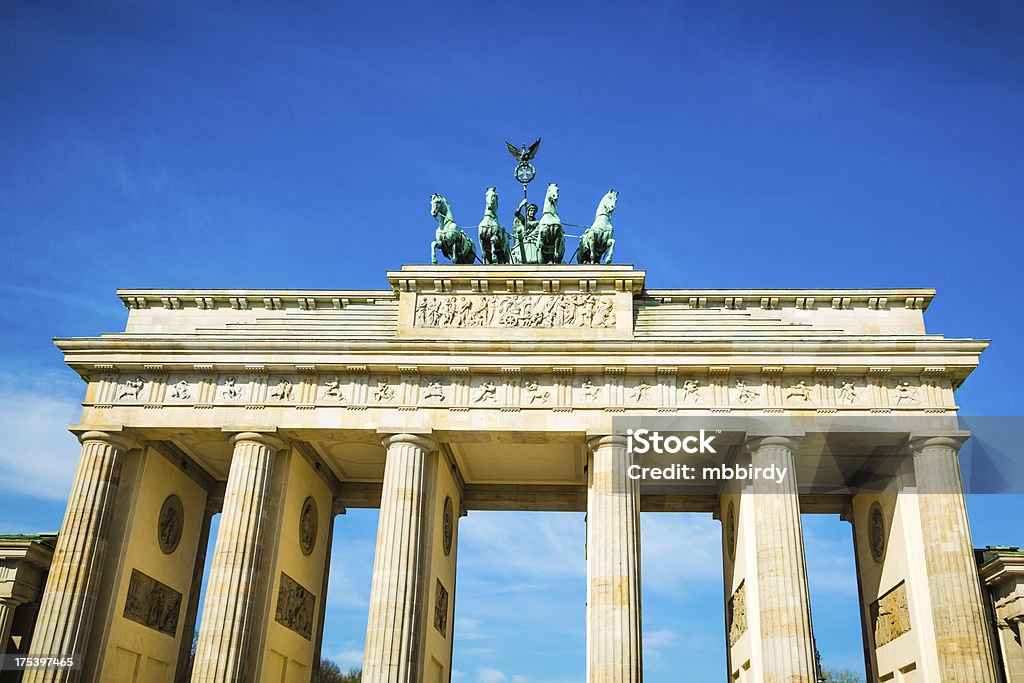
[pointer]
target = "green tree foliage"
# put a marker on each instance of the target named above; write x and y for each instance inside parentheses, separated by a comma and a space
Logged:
(330, 672)
(843, 676)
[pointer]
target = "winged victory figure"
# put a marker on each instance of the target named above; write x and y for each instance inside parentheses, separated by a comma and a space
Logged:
(523, 154)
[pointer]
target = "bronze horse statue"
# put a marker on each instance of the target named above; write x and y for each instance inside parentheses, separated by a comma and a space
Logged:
(449, 238)
(598, 237)
(493, 238)
(552, 237)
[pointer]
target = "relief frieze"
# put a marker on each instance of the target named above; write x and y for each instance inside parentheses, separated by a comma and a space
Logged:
(515, 310)
(771, 392)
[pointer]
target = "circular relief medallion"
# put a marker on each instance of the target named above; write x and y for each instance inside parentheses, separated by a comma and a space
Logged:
(449, 525)
(876, 532)
(731, 531)
(168, 528)
(307, 526)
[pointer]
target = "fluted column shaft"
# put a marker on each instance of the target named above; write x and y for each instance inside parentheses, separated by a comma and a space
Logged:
(7, 607)
(613, 565)
(230, 605)
(962, 636)
(787, 645)
(394, 627)
(65, 616)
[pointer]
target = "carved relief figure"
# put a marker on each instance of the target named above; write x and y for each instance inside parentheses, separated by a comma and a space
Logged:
(590, 390)
(486, 392)
(604, 313)
(847, 392)
(169, 524)
(132, 388)
(690, 391)
(332, 390)
(533, 390)
(904, 393)
(800, 391)
(384, 391)
(308, 526)
(232, 391)
(876, 532)
(283, 391)
(744, 393)
(434, 390)
(180, 390)
(639, 392)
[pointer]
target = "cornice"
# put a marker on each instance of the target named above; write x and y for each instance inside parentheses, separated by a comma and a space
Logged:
(867, 344)
(241, 299)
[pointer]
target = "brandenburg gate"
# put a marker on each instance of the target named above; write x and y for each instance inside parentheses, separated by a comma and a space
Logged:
(496, 387)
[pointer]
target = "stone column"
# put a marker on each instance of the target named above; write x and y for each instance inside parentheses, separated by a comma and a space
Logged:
(394, 629)
(64, 624)
(229, 608)
(784, 604)
(7, 607)
(613, 565)
(962, 636)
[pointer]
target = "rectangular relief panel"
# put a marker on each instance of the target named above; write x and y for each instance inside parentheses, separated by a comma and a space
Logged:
(152, 604)
(295, 607)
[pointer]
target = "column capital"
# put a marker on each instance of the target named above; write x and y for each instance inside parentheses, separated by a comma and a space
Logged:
(263, 438)
(950, 440)
(424, 441)
(753, 442)
(595, 441)
(115, 438)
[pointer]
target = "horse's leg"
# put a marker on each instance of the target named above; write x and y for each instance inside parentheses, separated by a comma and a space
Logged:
(560, 248)
(586, 250)
(485, 246)
(433, 252)
(611, 250)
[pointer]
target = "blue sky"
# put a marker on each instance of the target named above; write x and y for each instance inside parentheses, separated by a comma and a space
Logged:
(150, 144)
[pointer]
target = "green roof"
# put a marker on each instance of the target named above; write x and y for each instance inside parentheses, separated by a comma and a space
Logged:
(48, 539)
(991, 552)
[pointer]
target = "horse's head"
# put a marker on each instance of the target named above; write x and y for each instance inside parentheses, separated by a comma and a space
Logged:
(610, 200)
(438, 205)
(491, 200)
(552, 194)
(551, 199)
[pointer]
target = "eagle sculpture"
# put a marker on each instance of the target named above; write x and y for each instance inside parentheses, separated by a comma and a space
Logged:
(524, 153)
